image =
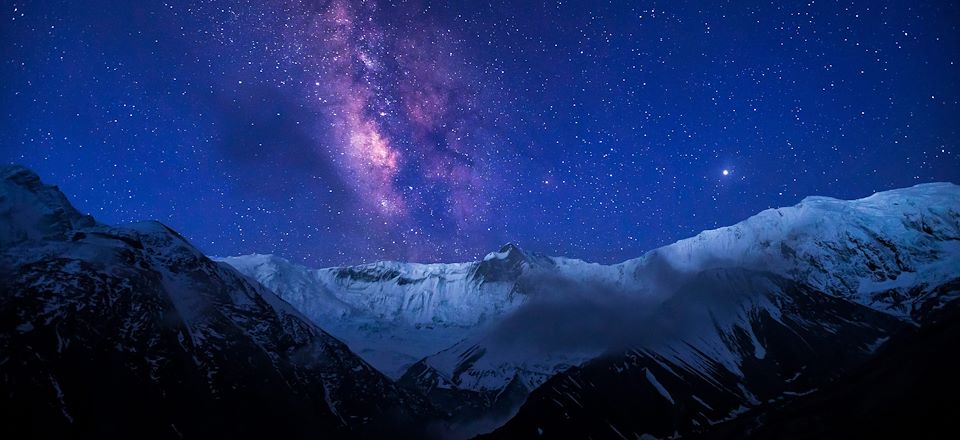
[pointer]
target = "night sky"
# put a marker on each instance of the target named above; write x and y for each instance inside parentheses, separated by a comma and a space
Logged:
(336, 132)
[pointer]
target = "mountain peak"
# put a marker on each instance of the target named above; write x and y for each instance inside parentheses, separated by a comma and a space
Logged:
(511, 248)
(505, 265)
(33, 209)
(14, 169)
(22, 177)
(509, 251)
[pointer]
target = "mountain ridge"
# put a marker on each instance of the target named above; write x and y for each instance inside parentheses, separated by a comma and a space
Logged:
(716, 330)
(885, 252)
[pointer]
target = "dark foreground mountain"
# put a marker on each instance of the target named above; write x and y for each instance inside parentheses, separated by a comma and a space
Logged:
(130, 332)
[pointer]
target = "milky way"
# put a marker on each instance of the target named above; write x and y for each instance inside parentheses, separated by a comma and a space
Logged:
(338, 131)
(397, 114)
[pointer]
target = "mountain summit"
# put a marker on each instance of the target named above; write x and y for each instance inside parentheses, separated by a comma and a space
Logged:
(31, 210)
(504, 265)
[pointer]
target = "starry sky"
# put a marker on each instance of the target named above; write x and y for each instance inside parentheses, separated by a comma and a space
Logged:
(337, 132)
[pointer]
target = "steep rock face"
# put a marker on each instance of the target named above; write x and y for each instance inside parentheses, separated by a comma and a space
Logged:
(131, 332)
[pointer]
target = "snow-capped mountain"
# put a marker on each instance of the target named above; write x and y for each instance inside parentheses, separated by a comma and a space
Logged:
(877, 251)
(750, 316)
(886, 252)
(394, 314)
(880, 251)
(881, 257)
(129, 331)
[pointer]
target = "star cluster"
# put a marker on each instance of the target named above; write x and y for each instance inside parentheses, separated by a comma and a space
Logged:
(339, 131)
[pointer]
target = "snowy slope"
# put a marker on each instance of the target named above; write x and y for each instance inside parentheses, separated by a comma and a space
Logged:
(874, 250)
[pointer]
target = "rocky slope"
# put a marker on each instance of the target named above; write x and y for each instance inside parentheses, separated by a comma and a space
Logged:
(909, 389)
(129, 331)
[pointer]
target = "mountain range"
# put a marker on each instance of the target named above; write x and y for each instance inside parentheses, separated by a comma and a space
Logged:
(829, 318)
